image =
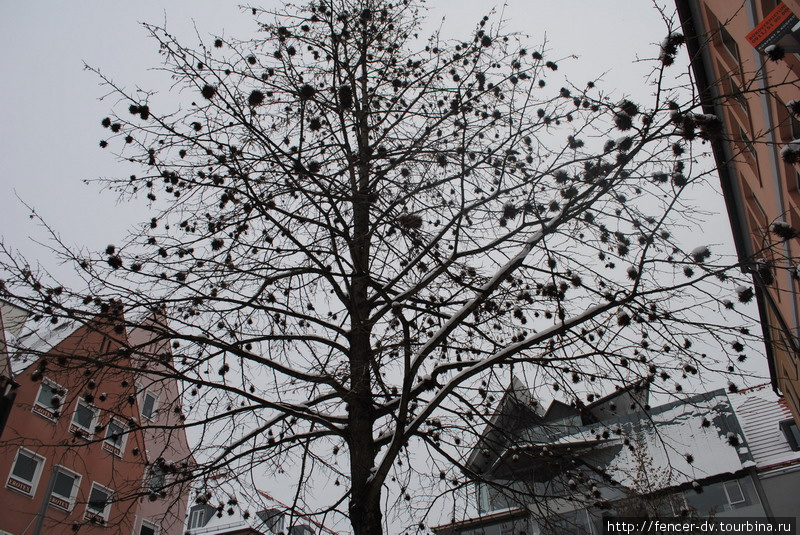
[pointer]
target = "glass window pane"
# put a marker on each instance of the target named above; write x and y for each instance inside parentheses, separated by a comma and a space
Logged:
(63, 485)
(98, 500)
(198, 516)
(728, 41)
(114, 433)
(83, 416)
(147, 529)
(157, 478)
(734, 492)
(794, 127)
(46, 394)
(711, 500)
(148, 405)
(25, 467)
(795, 432)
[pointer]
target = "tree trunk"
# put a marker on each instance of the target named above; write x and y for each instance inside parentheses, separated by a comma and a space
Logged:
(365, 510)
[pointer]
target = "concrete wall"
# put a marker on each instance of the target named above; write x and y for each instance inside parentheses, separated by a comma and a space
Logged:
(783, 492)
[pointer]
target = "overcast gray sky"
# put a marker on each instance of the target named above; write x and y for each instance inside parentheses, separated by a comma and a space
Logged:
(50, 126)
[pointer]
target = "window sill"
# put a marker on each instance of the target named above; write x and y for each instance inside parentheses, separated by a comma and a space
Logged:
(112, 449)
(95, 518)
(80, 432)
(60, 504)
(20, 487)
(48, 415)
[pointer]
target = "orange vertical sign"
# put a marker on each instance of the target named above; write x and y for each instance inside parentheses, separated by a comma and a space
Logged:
(772, 28)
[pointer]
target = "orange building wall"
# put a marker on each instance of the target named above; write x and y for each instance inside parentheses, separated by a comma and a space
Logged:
(52, 439)
(766, 188)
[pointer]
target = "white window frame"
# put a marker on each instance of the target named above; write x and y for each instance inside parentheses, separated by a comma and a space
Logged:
(66, 503)
(194, 515)
(49, 412)
(482, 496)
(155, 405)
(728, 495)
(108, 443)
(149, 524)
(92, 515)
(18, 484)
(76, 427)
(152, 475)
(678, 504)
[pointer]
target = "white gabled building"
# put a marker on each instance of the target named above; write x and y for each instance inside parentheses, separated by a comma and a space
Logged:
(562, 469)
(236, 512)
(774, 441)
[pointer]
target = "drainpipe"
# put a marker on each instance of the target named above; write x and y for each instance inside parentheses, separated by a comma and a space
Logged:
(37, 530)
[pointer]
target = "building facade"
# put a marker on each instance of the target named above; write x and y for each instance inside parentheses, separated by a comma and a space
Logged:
(82, 450)
(163, 510)
(240, 513)
(745, 59)
(774, 441)
(564, 468)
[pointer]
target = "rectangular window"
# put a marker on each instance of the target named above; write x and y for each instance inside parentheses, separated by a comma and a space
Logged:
(728, 42)
(115, 438)
(794, 127)
(148, 528)
(25, 472)
(149, 405)
(158, 478)
(83, 419)
(273, 519)
(677, 504)
(197, 519)
(99, 504)
(734, 492)
(736, 92)
(65, 488)
(482, 494)
(748, 143)
(49, 400)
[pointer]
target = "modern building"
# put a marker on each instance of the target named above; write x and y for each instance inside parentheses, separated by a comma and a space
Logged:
(562, 469)
(239, 513)
(774, 441)
(88, 446)
(744, 55)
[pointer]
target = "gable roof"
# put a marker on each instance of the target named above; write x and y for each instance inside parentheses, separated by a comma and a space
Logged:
(688, 440)
(251, 523)
(517, 398)
(12, 320)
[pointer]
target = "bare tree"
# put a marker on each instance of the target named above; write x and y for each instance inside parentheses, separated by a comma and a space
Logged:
(355, 243)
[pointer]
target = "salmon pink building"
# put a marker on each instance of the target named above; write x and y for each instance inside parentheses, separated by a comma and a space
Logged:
(88, 445)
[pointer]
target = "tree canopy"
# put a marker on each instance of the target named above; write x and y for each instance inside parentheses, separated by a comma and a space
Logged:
(355, 240)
